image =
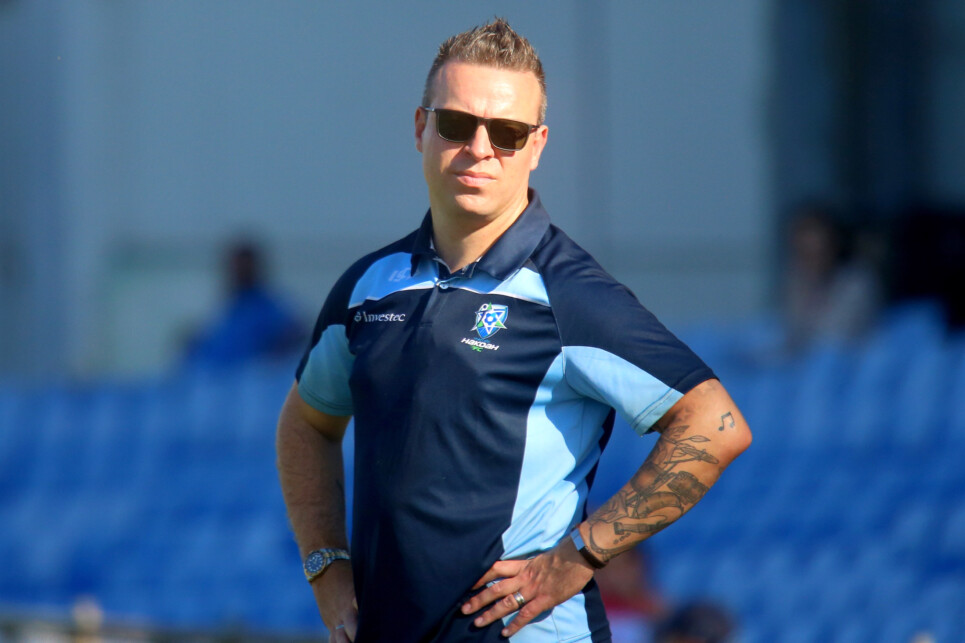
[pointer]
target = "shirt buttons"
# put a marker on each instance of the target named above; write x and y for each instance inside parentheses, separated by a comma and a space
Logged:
(443, 284)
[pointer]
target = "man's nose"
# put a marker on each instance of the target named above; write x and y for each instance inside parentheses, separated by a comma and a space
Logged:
(479, 145)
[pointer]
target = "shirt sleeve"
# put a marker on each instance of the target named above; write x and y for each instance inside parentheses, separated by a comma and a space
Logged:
(324, 370)
(324, 381)
(615, 351)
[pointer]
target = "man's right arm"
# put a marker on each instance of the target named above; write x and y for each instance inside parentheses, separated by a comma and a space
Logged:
(309, 451)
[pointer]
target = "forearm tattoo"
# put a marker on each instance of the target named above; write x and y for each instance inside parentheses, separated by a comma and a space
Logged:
(658, 494)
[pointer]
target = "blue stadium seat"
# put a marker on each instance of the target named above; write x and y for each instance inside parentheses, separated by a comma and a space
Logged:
(729, 575)
(951, 542)
(901, 625)
(833, 598)
(941, 606)
(765, 405)
(863, 417)
(678, 576)
(941, 473)
(800, 628)
(914, 525)
(851, 630)
(891, 586)
(826, 508)
(14, 440)
(819, 379)
(878, 488)
(954, 407)
(752, 631)
(920, 399)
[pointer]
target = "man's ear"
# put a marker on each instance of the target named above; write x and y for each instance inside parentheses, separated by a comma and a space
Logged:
(538, 141)
(420, 126)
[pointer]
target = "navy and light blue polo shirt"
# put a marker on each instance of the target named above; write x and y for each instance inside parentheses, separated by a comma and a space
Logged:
(482, 400)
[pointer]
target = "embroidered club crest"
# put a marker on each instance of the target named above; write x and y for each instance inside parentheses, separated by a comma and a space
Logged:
(489, 319)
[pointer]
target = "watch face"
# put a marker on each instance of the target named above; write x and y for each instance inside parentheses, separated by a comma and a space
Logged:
(314, 563)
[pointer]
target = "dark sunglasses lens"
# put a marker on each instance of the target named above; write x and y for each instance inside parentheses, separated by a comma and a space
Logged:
(455, 126)
(508, 135)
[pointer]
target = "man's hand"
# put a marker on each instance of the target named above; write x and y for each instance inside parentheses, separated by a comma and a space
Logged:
(335, 595)
(544, 582)
(309, 447)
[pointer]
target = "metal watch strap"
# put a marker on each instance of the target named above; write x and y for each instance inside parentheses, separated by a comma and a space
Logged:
(319, 560)
(581, 547)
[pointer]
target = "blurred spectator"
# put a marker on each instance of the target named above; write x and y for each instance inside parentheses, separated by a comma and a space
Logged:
(88, 616)
(633, 603)
(830, 294)
(253, 323)
(697, 622)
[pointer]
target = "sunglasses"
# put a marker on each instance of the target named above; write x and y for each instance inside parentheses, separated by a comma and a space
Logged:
(460, 127)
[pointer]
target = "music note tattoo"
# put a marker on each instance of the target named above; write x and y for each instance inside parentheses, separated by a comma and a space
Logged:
(726, 419)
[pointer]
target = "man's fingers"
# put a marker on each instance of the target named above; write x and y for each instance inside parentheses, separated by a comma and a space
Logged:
(528, 612)
(503, 607)
(509, 605)
(488, 577)
(501, 580)
(345, 631)
(502, 589)
(483, 598)
(351, 625)
(339, 635)
(528, 588)
(500, 569)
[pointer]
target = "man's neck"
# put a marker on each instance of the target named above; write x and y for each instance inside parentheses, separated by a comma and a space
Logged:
(461, 240)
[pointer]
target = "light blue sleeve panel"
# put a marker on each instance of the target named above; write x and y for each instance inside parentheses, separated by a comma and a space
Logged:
(639, 397)
(324, 381)
(389, 275)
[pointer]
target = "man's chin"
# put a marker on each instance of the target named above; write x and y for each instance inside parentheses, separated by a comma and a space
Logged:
(474, 204)
(479, 205)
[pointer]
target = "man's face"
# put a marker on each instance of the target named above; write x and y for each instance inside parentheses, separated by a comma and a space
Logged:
(474, 179)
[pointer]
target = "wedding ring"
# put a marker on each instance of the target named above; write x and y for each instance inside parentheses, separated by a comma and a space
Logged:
(520, 601)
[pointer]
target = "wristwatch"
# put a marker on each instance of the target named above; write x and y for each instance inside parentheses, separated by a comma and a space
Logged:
(319, 560)
(581, 547)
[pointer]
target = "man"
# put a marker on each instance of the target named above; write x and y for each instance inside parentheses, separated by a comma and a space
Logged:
(254, 323)
(483, 358)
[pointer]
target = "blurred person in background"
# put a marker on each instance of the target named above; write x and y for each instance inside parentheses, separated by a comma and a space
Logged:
(697, 622)
(831, 293)
(254, 322)
(483, 358)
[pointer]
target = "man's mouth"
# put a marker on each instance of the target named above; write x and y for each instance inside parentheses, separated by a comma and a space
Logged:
(474, 179)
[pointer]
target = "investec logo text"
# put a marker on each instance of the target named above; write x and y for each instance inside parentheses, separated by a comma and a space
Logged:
(380, 317)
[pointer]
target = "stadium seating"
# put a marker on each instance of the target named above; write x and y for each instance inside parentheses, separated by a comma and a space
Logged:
(845, 521)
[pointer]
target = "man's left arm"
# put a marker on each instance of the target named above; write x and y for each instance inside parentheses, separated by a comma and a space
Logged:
(699, 437)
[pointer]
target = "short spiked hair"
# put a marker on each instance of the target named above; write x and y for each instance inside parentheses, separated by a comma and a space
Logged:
(493, 45)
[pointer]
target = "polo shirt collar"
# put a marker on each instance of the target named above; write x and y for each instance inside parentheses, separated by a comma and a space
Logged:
(511, 249)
